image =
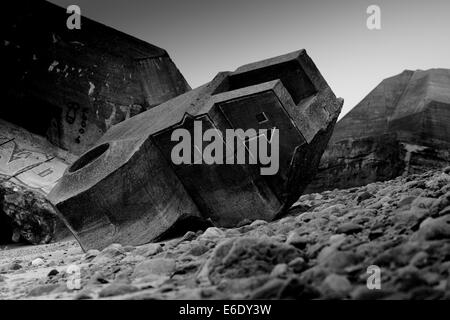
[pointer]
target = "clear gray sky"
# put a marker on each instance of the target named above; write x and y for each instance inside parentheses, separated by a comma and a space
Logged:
(204, 37)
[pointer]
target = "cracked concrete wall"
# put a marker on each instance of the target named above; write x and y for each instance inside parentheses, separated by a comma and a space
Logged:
(400, 127)
(70, 86)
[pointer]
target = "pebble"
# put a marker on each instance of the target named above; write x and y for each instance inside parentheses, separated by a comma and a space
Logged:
(112, 252)
(12, 266)
(445, 211)
(444, 268)
(258, 223)
(117, 289)
(434, 229)
(298, 264)
(423, 203)
(269, 290)
(296, 289)
(244, 257)
(337, 261)
(296, 240)
(363, 293)
(91, 254)
(37, 262)
(133, 259)
(437, 182)
(85, 294)
(420, 259)
(336, 286)
(279, 270)
(405, 201)
(333, 210)
(431, 278)
(42, 290)
(98, 278)
(156, 266)
(364, 196)
(198, 250)
(375, 234)
(212, 233)
(189, 236)
(336, 240)
(349, 228)
(441, 205)
(148, 250)
(52, 273)
(408, 278)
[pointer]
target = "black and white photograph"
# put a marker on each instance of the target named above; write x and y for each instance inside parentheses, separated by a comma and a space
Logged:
(227, 156)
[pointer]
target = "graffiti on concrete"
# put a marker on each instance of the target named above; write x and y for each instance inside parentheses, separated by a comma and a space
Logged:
(29, 160)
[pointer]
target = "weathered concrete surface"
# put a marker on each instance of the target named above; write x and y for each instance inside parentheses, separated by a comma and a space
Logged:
(127, 190)
(355, 162)
(62, 89)
(322, 250)
(30, 166)
(401, 127)
(30, 160)
(70, 86)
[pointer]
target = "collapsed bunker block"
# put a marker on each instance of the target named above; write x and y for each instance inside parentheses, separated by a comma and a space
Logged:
(128, 190)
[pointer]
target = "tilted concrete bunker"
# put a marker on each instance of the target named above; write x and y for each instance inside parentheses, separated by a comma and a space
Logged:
(127, 190)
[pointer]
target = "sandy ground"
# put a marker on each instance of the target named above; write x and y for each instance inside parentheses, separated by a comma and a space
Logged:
(16, 284)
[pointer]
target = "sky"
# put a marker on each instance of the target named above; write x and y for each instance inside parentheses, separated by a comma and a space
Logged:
(204, 37)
